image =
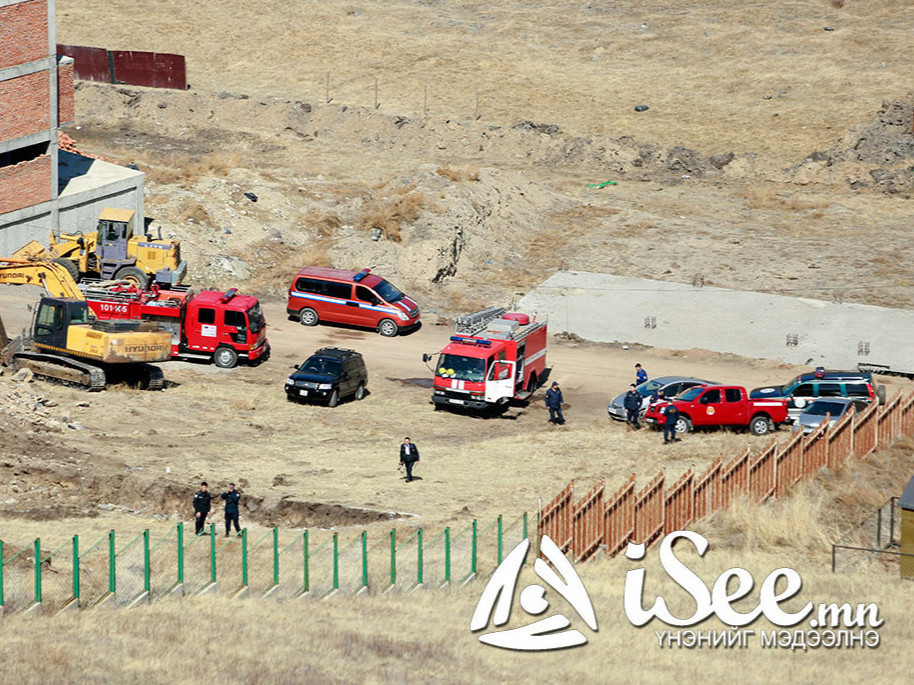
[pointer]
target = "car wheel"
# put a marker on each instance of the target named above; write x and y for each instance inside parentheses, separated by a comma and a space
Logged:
(133, 274)
(308, 317)
(880, 394)
(334, 398)
(388, 328)
(759, 425)
(70, 266)
(684, 425)
(360, 392)
(225, 358)
(531, 383)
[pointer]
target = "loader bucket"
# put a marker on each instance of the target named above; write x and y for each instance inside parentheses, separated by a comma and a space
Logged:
(31, 250)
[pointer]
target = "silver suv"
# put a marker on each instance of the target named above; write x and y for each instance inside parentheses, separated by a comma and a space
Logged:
(670, 385)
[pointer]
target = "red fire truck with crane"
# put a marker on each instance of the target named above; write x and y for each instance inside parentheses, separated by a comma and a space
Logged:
(223, 327)
(494, 357)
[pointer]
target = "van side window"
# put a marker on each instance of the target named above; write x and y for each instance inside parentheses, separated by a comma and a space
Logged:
(365, 295)
(235, 319)
(829, 390)
(733, 394)
(341, 290)
(207, 315)
(857, 390)
(309, 285)
(804, 390)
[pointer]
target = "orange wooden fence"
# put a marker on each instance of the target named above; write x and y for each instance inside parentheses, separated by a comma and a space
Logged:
(608, 522)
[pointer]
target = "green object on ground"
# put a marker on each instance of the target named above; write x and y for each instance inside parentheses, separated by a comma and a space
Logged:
(603, 185)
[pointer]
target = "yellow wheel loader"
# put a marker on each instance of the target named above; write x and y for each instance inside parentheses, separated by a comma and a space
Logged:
(113, 251)
(67, 343)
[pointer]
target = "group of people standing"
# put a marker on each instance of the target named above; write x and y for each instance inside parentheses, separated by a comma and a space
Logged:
(633, 401)
(203, 503)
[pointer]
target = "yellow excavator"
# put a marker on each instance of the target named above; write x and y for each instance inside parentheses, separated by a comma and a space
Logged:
(68, 344)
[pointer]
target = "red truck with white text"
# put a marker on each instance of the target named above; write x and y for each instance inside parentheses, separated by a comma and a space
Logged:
(719, 406)
(495, 356)
(221, 326)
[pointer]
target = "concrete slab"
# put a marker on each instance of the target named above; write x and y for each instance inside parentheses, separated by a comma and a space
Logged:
(607, 308)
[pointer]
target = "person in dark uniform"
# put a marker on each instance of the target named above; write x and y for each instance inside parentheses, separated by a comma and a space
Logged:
(202, 500)
(409, 455)
(231, 497)
(554, 401)
(671, 417)
(632, 404)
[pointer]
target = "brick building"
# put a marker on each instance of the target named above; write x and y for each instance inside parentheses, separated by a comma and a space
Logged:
(41, 187)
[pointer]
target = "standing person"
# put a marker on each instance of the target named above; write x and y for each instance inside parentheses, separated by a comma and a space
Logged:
(231, 497)
(202, 499)
(554, 401)
(640, 375)
(409, 455)
(671, 418)
(632, 404)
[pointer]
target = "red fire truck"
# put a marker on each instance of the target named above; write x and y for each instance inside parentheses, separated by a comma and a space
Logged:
(495, 356)
(222, 327)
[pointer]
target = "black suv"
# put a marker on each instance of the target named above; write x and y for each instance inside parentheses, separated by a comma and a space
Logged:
(329, 374)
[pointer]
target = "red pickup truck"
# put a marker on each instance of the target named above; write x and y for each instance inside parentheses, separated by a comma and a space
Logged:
(721, 405)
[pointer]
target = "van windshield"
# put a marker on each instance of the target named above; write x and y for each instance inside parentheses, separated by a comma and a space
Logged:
(462, 368)
(388, 292)
(255, 318)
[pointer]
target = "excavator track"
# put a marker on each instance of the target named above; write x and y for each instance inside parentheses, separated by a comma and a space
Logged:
(140, 376)
(62, 370)
(155, 379)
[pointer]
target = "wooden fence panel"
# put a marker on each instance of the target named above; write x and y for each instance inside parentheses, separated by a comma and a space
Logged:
(587, 524)
(555, 519)
(763, 473)
(619, 518)
(907, 416)
(678, 505)
(815, 450)
(734, 478)
(649, 511)
(865, 437)
(706, 491)
(789, 464)
(888, 422)
(841, 441)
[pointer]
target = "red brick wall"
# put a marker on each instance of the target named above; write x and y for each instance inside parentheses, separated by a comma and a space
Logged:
(25, 184)
(23, 33)
(66, 112)
(24, 105)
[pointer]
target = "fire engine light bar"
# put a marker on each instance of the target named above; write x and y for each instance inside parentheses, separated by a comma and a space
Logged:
(361, 274)
(471, 341)
(229, 294)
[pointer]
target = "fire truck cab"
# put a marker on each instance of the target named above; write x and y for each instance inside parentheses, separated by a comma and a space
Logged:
(494, 357)
(223, 327)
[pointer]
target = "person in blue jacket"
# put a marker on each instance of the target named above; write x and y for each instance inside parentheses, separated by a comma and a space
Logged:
(554, 402)
(232, 497)
(640, 375)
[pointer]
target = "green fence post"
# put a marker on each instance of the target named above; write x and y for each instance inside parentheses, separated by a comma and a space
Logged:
(1, 574)
(525, 525)
(447, 555)
(336, 561)
(212, 552)
(419, 560)
(364, 558)
(75, 569)
(147, 580)
(499, 537)
(112, 564)
(37, 570)
(473, 551)
(393, 557)
(275, 556)
(244, 557)
(181, 554)
(305, 578)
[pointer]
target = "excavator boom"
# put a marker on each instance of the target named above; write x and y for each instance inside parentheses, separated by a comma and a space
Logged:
(53, 277)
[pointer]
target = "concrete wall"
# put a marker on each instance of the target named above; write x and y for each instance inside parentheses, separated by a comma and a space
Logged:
(607, 308)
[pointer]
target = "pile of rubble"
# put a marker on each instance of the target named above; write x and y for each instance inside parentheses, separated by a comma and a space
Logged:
(21, 401)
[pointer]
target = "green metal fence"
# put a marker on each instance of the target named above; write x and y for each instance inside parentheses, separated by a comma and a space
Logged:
(273, 562)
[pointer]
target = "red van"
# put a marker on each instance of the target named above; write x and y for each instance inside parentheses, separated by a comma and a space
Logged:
(358, 298)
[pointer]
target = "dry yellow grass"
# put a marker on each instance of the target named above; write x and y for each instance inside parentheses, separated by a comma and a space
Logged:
(388, 214)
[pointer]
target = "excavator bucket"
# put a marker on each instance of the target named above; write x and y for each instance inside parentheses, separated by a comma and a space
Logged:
(31, 250)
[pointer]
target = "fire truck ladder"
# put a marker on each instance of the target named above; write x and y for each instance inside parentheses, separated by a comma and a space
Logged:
(471, 324)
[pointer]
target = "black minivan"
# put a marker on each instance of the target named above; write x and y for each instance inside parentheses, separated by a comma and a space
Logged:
(329, 375)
